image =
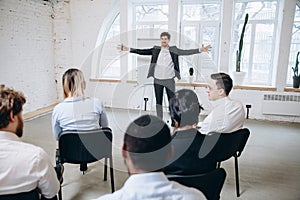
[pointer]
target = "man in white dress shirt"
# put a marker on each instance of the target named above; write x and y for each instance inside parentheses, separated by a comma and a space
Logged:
(24, 167)
(228, 115)
(146, 150)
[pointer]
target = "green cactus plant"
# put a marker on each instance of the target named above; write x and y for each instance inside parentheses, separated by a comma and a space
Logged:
(295, 69)
(239, 51)
(296, 77)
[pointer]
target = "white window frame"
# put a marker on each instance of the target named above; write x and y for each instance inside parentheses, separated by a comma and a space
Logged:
(133, 58)
(292, 57)
(201, 24)
(254, 23)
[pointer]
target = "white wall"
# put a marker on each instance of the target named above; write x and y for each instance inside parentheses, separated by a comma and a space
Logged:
(76, 27)
(87, 17)
(39, 40)
(82, 24)
(62, 41)
(26, 50)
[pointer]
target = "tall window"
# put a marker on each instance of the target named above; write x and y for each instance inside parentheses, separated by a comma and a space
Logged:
(149, 20)
(295, 44)
(259, 39)
(197, 23)
(200, 22)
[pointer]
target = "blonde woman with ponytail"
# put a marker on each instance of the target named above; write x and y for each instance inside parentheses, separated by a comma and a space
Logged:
(77, 112)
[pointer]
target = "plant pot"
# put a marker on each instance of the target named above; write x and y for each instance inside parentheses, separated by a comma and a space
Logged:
(296, 81)
(238, 78)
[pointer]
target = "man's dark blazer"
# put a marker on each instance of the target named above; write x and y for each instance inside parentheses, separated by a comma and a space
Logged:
(174, 51)
(187, 145)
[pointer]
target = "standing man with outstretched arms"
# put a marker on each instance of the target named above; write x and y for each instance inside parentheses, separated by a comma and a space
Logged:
(164, 66)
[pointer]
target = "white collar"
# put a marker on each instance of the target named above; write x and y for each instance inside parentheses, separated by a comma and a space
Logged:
(220, 101)
(138, 179)
(73, 99)
(9, 136)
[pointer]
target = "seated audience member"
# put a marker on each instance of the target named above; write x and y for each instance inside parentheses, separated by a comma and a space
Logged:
(227, 115)
(23, 167)
(186, 141)
(77, 112)
(146, 150)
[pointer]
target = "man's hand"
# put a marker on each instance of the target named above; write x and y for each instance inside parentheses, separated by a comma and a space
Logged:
(205, 48)
(122, 47)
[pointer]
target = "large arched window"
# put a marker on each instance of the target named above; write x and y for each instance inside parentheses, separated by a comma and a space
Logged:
(138, 23)
(105, 57)
(198, 23)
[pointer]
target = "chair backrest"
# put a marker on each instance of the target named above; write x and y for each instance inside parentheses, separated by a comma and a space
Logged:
(228, 144)
(210, 184)
(31, 195)
(246, 134)
(78, 146)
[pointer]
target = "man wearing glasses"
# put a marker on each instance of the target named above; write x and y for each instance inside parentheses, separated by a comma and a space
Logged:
(227, 115)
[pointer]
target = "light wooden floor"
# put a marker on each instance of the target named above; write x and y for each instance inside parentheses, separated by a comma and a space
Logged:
(269, 165)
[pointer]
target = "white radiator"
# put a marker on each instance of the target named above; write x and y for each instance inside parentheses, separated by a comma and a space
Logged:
(280, 104)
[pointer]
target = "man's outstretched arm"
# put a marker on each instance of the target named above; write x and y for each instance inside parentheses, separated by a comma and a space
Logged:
(183, 52)
(122, 47)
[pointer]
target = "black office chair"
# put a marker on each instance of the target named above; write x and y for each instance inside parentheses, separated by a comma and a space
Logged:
(210, 183)
(227, 145)
(31, 195)
(82, 147)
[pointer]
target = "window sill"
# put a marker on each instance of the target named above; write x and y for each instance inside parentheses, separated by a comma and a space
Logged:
(108, 80)
(191, 84)
(289, 89)
(194, 84)
(261, 88)
(240, 87)
(131, 81)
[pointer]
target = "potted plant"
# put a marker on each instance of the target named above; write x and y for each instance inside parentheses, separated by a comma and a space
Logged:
(191, 72)
(238, 75)
(296, 77)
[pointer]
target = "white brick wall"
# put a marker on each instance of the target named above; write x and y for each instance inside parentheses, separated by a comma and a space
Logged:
(26, 50)
(39, 40)
(62, 37)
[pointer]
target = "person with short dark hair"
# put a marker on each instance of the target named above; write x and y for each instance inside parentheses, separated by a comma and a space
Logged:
(164, 66)
(187, 140)
(24, 167)
(228, 115)
(146, 150)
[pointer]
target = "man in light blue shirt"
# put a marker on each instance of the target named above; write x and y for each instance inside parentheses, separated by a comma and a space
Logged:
(146, 150)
